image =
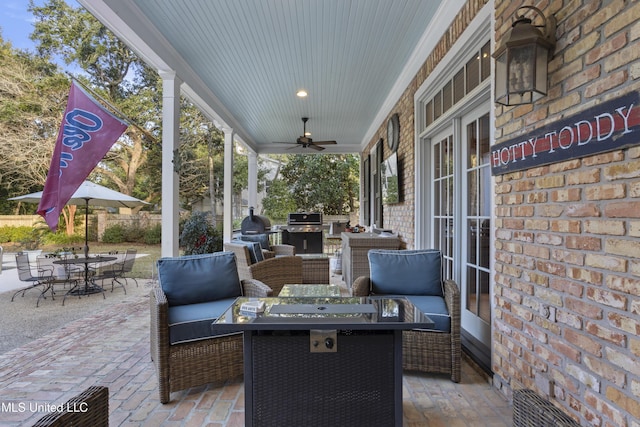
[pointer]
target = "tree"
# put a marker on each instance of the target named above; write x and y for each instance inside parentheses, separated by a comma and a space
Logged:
(322, 182)
(32, 100)
(112, 70)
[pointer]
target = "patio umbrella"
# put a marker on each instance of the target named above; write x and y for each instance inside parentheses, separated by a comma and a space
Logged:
(90, 194)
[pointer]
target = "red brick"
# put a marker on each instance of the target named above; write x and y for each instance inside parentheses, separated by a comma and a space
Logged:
(580, 340)
(627, 403)
(625, 323)
(564, 349)
(590, 310)
(622, 210)
(583, 210)
(566, 195)
(583, 243)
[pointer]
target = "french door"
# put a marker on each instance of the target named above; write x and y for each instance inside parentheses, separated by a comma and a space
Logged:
(458, 183)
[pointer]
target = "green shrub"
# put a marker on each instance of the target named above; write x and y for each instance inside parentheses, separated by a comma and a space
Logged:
(134, 233)
(198, 235)
(153, 235)
(114, 234)
(6, 234)
(61, 238)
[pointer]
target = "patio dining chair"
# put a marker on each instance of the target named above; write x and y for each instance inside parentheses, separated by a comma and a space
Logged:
(58, 274)
(109, 270)
(127, 265)
(39, 280)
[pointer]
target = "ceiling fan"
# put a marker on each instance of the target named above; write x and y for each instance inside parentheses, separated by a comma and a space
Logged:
(307, 142)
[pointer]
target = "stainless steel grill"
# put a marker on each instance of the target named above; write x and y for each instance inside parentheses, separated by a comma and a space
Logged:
(304, 231)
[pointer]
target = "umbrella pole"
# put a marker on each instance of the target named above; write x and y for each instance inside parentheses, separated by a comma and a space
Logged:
(86, 231)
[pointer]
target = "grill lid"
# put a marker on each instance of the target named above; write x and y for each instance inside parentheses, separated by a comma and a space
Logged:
(255, 224)
(304, 218)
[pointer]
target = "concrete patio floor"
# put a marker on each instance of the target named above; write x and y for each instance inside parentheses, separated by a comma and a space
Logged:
(110, 347)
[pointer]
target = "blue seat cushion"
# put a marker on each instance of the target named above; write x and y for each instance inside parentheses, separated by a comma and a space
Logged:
(436, 308)
(199, 278)
(406, 272)
(192, 322)
(255, 250)
(263, 239)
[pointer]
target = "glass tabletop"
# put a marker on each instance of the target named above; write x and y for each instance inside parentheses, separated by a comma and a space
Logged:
(293, 313)
(310, 290)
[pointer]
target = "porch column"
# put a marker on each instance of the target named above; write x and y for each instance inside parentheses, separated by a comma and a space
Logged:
(252, 160)
(227, 210)
(170, 182)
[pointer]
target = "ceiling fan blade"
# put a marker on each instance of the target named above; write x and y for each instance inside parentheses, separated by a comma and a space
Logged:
(316, 147)
(324, 142)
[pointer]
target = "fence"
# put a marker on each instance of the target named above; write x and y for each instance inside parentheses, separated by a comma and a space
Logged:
(98, 222)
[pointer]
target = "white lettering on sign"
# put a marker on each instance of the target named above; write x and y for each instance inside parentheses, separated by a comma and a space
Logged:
(604, 129)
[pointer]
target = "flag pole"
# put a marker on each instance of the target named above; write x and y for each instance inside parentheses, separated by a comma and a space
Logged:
(122, 115)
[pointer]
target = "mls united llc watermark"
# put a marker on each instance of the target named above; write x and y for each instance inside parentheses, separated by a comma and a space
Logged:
(42, 407)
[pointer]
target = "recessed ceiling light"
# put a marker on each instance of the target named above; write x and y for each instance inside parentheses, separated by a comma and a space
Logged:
(302, 93)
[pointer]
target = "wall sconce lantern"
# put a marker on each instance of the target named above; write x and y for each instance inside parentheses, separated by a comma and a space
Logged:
(522, 58)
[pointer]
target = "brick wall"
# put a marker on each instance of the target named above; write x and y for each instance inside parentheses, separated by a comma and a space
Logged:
(567, 234)
(400, 217)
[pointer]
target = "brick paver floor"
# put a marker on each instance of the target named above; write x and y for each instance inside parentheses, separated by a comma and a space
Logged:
(111, 348)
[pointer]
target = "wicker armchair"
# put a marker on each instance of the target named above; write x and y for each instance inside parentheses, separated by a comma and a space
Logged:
(92, 410)
(404, 273)
(274, 272)
(269, 250)
(193, 292)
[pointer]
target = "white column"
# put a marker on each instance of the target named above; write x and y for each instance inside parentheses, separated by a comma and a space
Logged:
(252, 160)
(227, 220)
(170, 144)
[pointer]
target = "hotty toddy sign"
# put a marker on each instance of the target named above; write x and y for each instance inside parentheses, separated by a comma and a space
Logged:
(609, 126)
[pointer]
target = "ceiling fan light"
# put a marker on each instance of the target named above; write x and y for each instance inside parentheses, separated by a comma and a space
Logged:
(301, 93)
(307, 134)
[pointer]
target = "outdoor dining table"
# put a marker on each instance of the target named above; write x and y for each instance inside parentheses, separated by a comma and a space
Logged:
(90, 286)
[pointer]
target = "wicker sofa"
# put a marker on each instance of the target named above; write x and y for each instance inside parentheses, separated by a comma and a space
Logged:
(417, 275)
(193, 292)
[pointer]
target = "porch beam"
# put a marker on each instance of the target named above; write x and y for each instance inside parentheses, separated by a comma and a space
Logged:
(227, 210)
(170, 183)
(252, 160)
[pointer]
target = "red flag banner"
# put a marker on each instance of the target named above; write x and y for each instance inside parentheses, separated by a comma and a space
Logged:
(86, 134)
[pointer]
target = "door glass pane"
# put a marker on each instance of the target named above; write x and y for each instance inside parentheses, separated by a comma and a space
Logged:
(443, 201)
(472, 188)
(478, 218)
(484, 305)
(472, 295)
(472, 241)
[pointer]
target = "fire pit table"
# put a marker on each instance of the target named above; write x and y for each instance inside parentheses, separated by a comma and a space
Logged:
(322, 361)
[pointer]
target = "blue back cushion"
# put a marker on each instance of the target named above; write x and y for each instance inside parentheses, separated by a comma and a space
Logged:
(199, 278)
(255, 250)
(263, 239)
(406, 272)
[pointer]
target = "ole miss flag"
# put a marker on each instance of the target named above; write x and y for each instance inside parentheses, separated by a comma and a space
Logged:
(86, 134)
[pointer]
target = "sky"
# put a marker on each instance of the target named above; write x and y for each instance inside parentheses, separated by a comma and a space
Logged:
(16, 22)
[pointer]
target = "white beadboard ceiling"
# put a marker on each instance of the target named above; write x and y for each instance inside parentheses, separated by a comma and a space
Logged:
(242, 61)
